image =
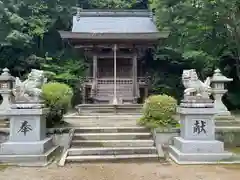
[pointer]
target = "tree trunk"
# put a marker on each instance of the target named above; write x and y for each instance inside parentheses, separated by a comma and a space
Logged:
(238, 66)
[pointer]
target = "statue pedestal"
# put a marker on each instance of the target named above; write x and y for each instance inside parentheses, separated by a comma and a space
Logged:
(197, 144)
(6, 103)
(27, 144)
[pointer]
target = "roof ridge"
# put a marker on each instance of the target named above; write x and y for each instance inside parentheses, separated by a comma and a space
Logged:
(113, 10)
(115, 13)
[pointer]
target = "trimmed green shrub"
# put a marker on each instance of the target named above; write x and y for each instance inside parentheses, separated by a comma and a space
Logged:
(57, 97)
(158, 111)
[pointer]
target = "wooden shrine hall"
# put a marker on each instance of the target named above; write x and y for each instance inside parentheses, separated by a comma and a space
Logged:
(114, 42)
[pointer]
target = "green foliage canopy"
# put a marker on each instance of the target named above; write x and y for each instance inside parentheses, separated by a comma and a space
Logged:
(204, 35)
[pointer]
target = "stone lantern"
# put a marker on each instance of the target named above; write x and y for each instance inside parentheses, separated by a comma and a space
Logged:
(218, 81)
(6, 85)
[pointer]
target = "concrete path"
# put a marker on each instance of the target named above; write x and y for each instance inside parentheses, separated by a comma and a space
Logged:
(141, 171)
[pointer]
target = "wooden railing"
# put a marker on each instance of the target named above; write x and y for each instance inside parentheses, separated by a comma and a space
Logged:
(111, 81)
(88, 79)
(140, 80)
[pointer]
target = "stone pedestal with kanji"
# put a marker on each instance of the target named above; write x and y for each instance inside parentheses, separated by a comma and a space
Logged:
(197, 144)
(27, 143)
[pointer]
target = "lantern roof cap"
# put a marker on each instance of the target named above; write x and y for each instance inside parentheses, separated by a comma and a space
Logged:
(6, 76)
(219, 77)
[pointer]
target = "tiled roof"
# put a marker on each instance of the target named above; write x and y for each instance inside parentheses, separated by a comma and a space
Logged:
(128, 21)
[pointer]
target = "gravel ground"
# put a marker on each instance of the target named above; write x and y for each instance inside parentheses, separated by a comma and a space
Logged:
(121, 171)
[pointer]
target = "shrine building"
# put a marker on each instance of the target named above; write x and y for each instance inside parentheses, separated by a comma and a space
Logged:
(114, 43)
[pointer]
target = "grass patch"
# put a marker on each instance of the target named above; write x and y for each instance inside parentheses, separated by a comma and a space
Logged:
(231, 166)
(3, 167)
(235, 150)
(226, 166)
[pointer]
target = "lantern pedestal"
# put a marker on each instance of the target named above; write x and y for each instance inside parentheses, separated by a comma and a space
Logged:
(6, 85)
(223, 117)
(6, 101)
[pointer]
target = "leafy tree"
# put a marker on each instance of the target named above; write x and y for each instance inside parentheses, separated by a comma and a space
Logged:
(118, 4)
(205, 34)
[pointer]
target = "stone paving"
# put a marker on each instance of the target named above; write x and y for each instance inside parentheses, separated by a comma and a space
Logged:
(122, 171)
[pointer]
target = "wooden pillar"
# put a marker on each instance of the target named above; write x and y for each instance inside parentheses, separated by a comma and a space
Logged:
(94, 81)
(115, 101)
(84, 94)
(145, 93)
(134, 76)
(95, 67)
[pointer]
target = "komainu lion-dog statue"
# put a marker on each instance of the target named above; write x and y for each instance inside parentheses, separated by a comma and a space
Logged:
(194, 86)
(29, 90)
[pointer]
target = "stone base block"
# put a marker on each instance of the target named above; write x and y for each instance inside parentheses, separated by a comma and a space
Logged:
(191, 146)
(224, 116)
(224, 113)
(230, 124)
(226, 121)
(26, 148)
(30, 160)
(197, 158)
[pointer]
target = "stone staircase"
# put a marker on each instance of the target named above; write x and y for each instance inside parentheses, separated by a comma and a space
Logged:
(91, 144)
(101, 133)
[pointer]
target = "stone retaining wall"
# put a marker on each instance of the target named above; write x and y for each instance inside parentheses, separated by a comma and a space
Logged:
(230, 136)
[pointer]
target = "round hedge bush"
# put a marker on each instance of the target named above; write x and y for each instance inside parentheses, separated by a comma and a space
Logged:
(158, 111)
(57, 97)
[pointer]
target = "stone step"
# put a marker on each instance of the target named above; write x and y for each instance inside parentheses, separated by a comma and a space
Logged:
(116, 120)
(99, 124)
(111, 95)
(111, 151)
(97, 117)
(104, 106)
(229, 123)
(129, 129)
(109, 108)
(113, 158)
(112, 143)
(112, 136)
(88, 111)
